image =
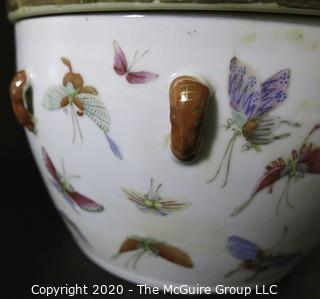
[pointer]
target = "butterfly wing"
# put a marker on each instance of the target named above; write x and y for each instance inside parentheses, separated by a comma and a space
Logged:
(309, 160)
(274, 171)
(95, 109)
(173, 206)
(140, 77)
(243, 89)
(72, 196)
(114, 147)
(239, 118)
(242, 249)
(120, 64)
(274, 91)
(172, 254)
(135, 197)
(54, 96)
(50, 166)
(65, 195)
(84, 202)
(309, 154)
(56, 182)
(129, 244)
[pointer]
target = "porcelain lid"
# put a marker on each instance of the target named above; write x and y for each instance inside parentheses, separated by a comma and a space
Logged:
(19, 9)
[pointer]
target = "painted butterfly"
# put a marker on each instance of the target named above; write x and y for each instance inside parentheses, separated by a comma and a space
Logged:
(154, 248)
(152, 202)
(255, 259)
(82, 100)
(61, 182)
(121, 67)
(302, 162)
(251, 102)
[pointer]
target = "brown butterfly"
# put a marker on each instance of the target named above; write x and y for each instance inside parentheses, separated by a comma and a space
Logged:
(154, 248)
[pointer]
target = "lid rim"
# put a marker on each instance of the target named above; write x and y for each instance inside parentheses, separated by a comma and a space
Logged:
(28, 9)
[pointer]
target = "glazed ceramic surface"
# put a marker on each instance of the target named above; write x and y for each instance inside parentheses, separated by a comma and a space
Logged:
(245, 210)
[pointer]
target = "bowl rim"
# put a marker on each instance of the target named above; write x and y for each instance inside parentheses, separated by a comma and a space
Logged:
(21, 9)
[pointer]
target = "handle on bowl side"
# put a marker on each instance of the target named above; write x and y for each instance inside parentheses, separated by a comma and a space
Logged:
(18, 90)
(189, 99)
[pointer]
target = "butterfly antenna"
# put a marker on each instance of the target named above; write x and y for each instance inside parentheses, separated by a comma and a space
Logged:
(135, 55)
(243, 206)
(142, 55)
(156, 193)
(283, 195)
(150, 191)
(136, 58)
(67, 63)
(222, 160)
(229, 160)
(144, 52)
(134, 61)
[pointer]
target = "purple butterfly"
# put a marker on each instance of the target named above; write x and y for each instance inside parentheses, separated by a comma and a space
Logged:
(257, 260)
(121, 67)
(251, 101)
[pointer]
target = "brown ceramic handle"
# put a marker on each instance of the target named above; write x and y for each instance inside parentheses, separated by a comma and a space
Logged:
(189, 100)
(17, 89)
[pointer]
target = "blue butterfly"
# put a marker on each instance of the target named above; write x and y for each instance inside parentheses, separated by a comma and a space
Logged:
(255, 259)
(251, 101)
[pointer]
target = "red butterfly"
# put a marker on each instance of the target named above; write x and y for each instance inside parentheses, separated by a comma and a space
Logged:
(65, 188)
(121, 67)
(306, 160)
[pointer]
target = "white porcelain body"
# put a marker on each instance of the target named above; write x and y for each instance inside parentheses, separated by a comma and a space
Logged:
(199, 45)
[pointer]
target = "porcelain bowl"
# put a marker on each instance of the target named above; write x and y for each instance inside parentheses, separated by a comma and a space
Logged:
(178, 148)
